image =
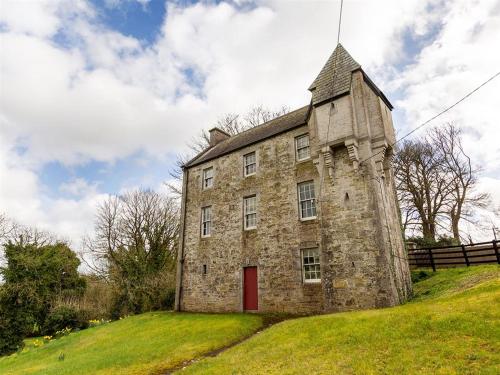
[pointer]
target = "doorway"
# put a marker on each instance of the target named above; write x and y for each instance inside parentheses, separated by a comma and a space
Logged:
(250, 289)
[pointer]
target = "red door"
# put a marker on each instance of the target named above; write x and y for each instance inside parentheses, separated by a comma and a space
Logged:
(250, 293)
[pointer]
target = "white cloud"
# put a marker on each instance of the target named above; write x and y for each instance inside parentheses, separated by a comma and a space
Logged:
(459, 59)
(105, 96)
(78, 187)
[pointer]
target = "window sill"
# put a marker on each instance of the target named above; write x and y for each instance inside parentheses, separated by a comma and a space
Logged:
(249, 229)
(207, 236)
(312, 282)
(299, 161)
(309, 218)
(249, 175)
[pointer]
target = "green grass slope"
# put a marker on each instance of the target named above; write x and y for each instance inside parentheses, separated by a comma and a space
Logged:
(451, 327)
(142, 344)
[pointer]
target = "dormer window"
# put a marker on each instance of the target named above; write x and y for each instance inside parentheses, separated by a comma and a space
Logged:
(208, 178)
(249, 164)
(302, 147)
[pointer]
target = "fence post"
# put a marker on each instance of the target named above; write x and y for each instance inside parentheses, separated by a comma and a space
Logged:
(465, 256)
(495, 246)
(432, 260)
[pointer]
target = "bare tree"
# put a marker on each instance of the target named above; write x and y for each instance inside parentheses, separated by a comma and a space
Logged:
(137, 229)
(18, 234)
(232, 124)
(461, 176)
(421, 185)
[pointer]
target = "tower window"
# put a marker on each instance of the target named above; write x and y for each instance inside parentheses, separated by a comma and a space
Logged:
(307, 200)
(302, 147)
(311, 268)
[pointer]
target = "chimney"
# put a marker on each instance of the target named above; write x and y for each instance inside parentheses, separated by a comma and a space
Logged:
(217, 135)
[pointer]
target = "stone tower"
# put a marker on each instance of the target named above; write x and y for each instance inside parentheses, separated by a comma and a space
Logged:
(363, 254)
(298, 214)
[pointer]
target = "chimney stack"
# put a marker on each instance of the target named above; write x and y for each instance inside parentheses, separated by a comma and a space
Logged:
(217, 135)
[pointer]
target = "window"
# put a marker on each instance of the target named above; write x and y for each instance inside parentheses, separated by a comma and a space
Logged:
(204, 269)
(302, 147)
(307, 200)
(311, 265)
(206, 221)
(250, 164)
(208, 178)
(250, 212)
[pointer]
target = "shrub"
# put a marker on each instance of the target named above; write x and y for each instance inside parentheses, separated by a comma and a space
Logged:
(63, 317)
(40, 274)
(155, 292)
(169, 300)
(15, 321)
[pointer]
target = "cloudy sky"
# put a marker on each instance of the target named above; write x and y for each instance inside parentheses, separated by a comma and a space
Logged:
(97, 97)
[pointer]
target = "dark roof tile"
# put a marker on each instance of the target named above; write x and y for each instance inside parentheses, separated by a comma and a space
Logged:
(271, 128)
(335, 77)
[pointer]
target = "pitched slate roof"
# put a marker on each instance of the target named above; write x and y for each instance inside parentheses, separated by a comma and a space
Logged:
(269, 129)
(333, 80)
(335, 77)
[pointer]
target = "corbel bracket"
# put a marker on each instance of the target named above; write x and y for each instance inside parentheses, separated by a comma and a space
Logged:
(328, 161)
(352, 150)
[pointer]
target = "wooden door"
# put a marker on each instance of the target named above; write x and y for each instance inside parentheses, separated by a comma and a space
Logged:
(250, 290)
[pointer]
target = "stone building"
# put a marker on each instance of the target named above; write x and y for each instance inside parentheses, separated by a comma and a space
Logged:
(298, 214)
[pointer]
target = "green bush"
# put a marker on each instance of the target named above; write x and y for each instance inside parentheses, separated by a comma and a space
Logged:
(169, 300)
(65, 317)
(40, 275)
(15, 320)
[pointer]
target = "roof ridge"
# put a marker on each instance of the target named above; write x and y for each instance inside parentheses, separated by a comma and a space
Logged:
(255, 134)
(267, 122)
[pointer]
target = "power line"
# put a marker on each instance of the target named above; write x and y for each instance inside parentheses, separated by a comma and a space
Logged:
(340, 21)
(439, 114)
(322, 177)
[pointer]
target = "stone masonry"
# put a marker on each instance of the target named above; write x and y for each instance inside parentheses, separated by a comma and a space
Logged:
(357, 226)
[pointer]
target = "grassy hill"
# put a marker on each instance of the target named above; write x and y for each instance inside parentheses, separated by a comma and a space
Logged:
(141, 344)
(451, 327)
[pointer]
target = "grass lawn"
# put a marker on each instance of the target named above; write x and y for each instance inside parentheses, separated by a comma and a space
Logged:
(142, 344)
(451, 327)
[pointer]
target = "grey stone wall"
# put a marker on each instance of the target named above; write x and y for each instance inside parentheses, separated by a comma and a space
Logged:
(357, 229)
(274, 246)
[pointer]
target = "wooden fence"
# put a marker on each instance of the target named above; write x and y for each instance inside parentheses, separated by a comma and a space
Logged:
(455, 256)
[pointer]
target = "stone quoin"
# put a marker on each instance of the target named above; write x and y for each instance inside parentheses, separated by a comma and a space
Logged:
(299, 214)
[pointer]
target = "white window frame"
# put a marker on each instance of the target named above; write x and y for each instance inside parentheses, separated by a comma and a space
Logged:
(206, 178)
(297, 149)
(314, 267)
(246, 165)
(311, 200)
(247, 213)
(206, 221)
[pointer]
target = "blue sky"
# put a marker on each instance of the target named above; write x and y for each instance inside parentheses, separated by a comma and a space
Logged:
(133, 18)
(120, 87)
